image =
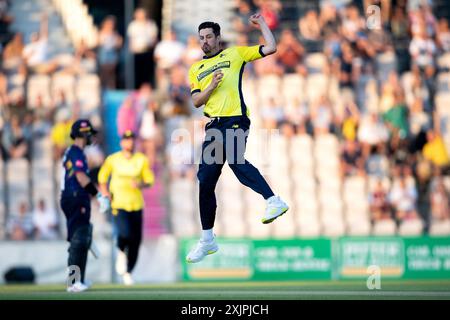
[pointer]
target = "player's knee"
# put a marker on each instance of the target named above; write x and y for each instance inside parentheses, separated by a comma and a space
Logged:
(207, 179)
(81, 239)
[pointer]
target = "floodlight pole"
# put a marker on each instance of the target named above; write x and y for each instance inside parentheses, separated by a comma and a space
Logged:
(129, 58)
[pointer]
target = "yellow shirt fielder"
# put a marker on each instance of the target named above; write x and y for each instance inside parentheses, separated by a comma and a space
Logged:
(125, 173)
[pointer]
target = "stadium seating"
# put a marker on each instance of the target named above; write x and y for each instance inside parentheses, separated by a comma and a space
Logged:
(412, 227)
(440, 228)
(38, 85)
(384, 228)
(18, 183)
(42, 172)
(304, 169)
(63, 82)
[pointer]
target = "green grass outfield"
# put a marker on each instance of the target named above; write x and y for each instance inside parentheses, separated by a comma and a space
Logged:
(306, 290)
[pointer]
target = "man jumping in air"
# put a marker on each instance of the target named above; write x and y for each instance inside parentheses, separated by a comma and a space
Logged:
(216, 82)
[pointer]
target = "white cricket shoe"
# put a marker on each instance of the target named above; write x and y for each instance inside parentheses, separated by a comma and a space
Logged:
(78, 287)
(121, 262)
(275, 208)
(127, 279)
(202, 249)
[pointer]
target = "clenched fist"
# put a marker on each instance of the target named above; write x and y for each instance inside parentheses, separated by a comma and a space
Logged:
(217, 77)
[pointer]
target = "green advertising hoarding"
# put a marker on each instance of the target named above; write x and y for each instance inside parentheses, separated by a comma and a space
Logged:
(355, 255)
(304, 259)
(292, 259)
(427, 258)
(246, 259)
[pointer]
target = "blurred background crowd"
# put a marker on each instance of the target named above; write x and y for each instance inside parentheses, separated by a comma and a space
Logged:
(362, 111)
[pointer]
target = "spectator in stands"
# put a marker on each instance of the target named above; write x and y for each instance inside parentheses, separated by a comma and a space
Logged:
(180, 153)
(435, 150)
(45, 222)
(41, 117)
(329, 20)
(35, 53)
(290, 53)
(322, 115)
(427, 18)
(241, 18)
(430, 84)
(60, 102)
(168, 53)
(372, 132)
(423, 175)
(419, 89)
(143, 35)
(346, 66)
(422, 49)
(95, 158)
(403, 198)
(352, 161)
(398, 152)
(388, 89)
(272, 114)
(297, 113)
(440, 201)
(127, 116)
(399, 24)
(4, 99)
(5, 18)
(130, 112)
(350, 121)
(378, 203)
(287, 130)
(60, 133)
(419, 120)
(20, 225)
(16, 139)
(180, 92)
(12, 54)
(365, 56)
(377, 163)
(396, 118)
(148, 131)
(309, 26)
(352, 23)
(85, 60)
(109, 43)
(193, 51)
(443, 35)
(332, 46)
(269, 9)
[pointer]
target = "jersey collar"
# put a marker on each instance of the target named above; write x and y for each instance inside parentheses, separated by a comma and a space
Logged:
(206, 57)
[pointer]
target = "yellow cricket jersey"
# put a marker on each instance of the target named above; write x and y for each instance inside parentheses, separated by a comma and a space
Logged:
(227, 99)
(123, 172)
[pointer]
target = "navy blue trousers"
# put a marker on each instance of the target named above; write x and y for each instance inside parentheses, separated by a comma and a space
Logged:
(225, 140)
(77, 209)
(129, 229)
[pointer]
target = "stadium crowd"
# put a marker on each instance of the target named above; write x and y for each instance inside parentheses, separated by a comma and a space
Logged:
(385, 116)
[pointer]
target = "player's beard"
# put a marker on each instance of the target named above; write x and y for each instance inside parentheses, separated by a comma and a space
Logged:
(206, 49)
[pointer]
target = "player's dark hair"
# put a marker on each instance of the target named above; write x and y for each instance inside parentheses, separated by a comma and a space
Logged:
(212, 25)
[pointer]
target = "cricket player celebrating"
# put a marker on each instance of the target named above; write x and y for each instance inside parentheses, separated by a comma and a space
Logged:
(129, 172)
(76, 190)
(216, 82)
